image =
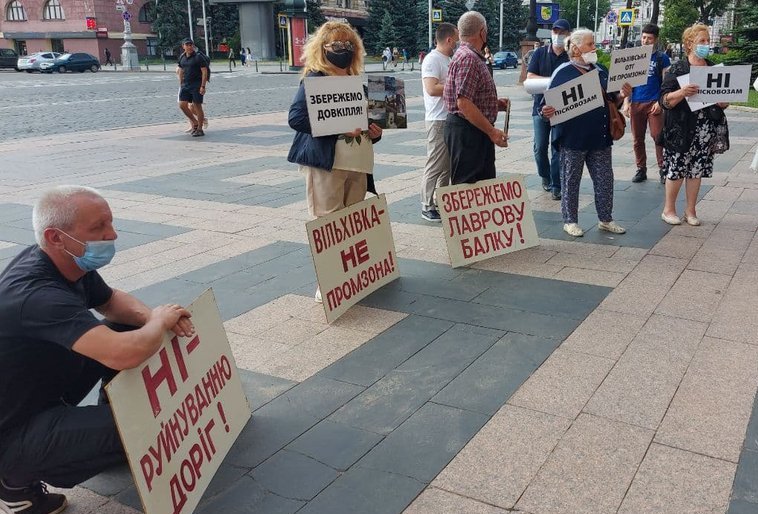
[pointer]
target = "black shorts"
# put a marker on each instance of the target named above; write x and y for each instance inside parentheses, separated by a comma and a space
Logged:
(190, 94)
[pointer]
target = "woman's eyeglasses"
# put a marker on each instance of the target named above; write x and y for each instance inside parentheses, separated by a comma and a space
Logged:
(339, 46)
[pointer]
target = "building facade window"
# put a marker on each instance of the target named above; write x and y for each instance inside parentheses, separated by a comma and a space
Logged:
(147, 13)
(15, 11)
(52, 10)
(152, 46)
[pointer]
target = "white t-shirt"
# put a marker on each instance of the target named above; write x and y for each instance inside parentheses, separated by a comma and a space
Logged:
(435, 65)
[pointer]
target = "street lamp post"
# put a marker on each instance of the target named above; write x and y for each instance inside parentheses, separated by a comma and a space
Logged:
(500, 44)
(429, 20)
(189, 20)
(578, 7)
(205, 31)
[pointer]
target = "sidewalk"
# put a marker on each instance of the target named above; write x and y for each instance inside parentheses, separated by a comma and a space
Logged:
(222, 66)
(602, 374)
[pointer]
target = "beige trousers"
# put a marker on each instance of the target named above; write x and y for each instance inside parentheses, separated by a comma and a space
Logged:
(437, 170)
(330, 191)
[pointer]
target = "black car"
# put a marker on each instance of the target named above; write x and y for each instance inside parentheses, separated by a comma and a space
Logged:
(72, 62)
(8, 58)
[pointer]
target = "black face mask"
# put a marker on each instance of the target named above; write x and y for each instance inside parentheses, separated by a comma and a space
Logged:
(341, 59)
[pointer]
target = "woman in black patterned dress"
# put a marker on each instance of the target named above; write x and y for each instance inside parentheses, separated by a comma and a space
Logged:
(688, 137)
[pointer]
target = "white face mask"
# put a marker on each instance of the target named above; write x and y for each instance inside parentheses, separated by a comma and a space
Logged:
(559, 40)
(590, 57)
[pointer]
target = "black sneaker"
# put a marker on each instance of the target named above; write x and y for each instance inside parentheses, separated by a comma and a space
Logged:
(640, 176)
(198, 133)
(33, 499)
(556, 195)
(546, 184)
(431, 215)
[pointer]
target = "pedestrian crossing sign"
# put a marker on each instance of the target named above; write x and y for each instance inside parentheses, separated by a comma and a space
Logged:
(626, 17)
(282, 19)
(436, 15)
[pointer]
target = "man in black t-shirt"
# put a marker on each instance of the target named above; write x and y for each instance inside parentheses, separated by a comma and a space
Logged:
(193, 77)
(53, 351)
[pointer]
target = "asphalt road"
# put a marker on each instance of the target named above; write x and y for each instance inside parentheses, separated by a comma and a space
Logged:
(42, 104)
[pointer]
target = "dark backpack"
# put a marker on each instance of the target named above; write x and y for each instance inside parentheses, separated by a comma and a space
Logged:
(207, 63)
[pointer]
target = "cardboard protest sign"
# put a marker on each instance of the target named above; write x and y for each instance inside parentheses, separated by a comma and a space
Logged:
(486, 219)
(179, 413)
(386, 102)
(575, 97)
(629, 65)
(336, 105)
(354, 254)
(721, 83)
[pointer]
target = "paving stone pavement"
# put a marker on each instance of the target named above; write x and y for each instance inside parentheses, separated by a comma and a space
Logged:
(603, 374)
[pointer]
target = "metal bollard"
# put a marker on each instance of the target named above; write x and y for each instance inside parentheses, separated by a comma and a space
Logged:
(280, 64)
(256, 65)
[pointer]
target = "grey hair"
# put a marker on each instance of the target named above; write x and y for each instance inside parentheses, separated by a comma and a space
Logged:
(56, 209)
(470, 23)
(577, 37)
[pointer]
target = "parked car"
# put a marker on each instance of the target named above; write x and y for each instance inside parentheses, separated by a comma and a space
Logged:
(506, 59)
(72, 62)
(8, 58)
(31, 63)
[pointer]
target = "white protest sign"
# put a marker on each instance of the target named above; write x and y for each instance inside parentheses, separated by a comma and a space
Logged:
(354, 254)
(179, 413)
(683, 80)
(336, 105)
(629, 65)
(489, 218)
(721, 83)
(575, 97)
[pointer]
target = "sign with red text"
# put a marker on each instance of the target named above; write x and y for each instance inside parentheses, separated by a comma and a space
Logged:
(354, 254)
(486, 219)
(336, 105)
(629, 65)
(179, 413)
(575, 97)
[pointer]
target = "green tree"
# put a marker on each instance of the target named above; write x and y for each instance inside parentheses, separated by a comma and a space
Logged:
(315, 16)
(170, 24)
(586, 12)
(679, 15)
(387, 35)
(746, 34)
(709, 9)
(225, 21)
(376, 11)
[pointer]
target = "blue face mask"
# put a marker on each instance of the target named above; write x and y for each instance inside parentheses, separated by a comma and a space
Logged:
(96, 254)
(702, 51)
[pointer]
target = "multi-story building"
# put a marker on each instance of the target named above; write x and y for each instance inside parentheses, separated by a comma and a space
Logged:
(354, 12)
(608, 33)
(76, 26)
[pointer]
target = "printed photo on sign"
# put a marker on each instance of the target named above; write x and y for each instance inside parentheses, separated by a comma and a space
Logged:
(629, 65)
(486, 219)
(575, 97)
(353, 253)
(179, 413)
(336, 105)
(386, 102)
(721, 83)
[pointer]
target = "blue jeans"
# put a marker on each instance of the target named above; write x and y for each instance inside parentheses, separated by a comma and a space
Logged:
(550, 169)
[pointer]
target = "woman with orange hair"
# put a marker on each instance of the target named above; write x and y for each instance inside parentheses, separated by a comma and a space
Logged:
(338, 168)
(690, 139)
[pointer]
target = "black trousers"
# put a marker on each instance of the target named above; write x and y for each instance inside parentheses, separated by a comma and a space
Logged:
(65, 445)
(472, 153)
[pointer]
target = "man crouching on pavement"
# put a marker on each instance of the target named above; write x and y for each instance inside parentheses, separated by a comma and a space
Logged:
(53, 351)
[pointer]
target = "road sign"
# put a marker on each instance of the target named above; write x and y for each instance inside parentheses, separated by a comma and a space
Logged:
(120, 8)
(127, 16)
(547, 14)
(611, 17)
(626, 17)
(436, 15)
(282, 18)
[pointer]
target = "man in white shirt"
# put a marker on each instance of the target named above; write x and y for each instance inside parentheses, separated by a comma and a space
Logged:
(433, 74)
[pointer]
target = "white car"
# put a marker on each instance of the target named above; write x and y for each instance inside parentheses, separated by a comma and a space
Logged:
(31, 63)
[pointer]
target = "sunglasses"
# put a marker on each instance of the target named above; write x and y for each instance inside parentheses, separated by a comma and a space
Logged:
(339, 46)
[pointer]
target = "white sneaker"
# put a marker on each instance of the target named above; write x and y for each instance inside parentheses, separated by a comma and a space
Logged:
(318, 296)
(611, 226)
(573, 229)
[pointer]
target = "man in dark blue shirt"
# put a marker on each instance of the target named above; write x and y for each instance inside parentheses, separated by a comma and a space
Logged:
(193, 77)
(644, 110)
(53, 351)
(543, 62)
